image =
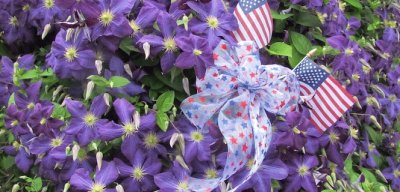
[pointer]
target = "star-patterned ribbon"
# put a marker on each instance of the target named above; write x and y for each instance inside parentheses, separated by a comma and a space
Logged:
(236, 95)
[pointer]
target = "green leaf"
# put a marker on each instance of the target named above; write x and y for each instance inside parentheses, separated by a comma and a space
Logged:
(300, 42)
(348, 168)
(368, 174)
(36, 184)
(355, 3)
(152, 82)
(375, 137)
(280, 48)
(295, 59)
(165, 101)
(118, 81)
(47, 72)
(7, 162)
(162, 120)
(60, 112)
(99, 81)
(31, 74)
(126, 46)
(11, 99)
(278, 16)
(307, 19)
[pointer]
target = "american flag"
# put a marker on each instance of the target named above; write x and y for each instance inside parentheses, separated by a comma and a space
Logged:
(330, 100)
(255, 22)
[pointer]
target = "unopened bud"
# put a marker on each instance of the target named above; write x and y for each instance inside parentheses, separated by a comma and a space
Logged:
(46, 30)
(136, 119)
(66, 187)
(107, 98)
(119, 188)
(99, 159)
(146, 108)
(128, 70)
(44, 189)
(375, 121)
(182, 162)
(75, 151)
(185, 83)
(329, 180)
(15, 188)
(185, 20)
(70, 32)
(89, 89)
(173, 139)
(181, 142)
(57, 91)
(146, 48)
(99, 66)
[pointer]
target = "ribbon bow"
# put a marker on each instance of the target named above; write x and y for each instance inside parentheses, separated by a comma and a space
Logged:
(236, 95)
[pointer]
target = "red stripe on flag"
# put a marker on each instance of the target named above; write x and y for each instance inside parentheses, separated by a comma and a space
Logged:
(265, 32)
(342, 89)
(327, 92)
(253, 27)
(269, 20)
(239, 17)
(337, 94)
(327, 103)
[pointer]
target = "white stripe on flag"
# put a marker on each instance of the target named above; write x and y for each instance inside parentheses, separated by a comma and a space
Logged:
(237, 36)
(259, 28)
(331, 100)
(318, 112)
(327, 90)
(263, 24)
(337, 90)
(325, 108)
(241, 27)
(269, 19)
(249, 27)
(316, 121)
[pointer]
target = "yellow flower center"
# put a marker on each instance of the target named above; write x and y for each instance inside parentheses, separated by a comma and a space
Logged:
(196, 136)
(135, 27)
(56, 142)
(129, 128)
(197, 52)
(30, 105)
(353, 132)
(322, 17)
(13, 21)
(106, 17)
(333, 137)
(97, 188)
(16, 145)
(14, 123)
(392, 98)
(138, 173)
(366, 69)
(342, 5)
(182, 186)
(169, 44)
(43, 121)
(212, 22)
(26, 7)
(348, 51)
(303, 170)
(71, 54)
(371, 147)
(211, 173)
(296, 130)
(355, 77)
(90, 119)
(150, 141)
(396, 173)
(48, 3)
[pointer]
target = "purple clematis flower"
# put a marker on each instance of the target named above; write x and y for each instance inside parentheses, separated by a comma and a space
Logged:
(300, 173)
(41, 121)
(166, 42)
(175, 179)
(74, 58)
(85, 124)
(350, 52)
(46, 12)
(130, 125)
(392, 173)
(196, 53)
(23, 159)
(213, 21)
(138, 174)
(107, 174)
(112, 19)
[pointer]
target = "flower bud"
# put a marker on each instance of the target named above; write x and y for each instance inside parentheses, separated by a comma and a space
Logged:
(330, 180)
(107, 98)
(57, 91)
(75, 151)
(15, 188)
(66, 187)
(46, 30)
(173, 139)
(44, 189)
(99, 159)
(185, 20)
(99, 65)
(136, 119)
(182, 162)
(375, 121)
(119, 188)
(70, 32)
(146, 48)
(185, 83)
(128, 70)
(89, 89)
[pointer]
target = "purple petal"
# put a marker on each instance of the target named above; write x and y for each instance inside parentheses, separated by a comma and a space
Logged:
(109, 131)
(76, 108)
(81, 180)
(129, 145)
(99, 106)
(185, 60)
(23, 161)
(166, 24)
(124, 169)
(337, 42)
(148, 121)
(107, 174)
(124, 110)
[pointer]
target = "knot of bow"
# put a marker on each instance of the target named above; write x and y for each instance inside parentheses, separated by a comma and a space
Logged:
(236, 95)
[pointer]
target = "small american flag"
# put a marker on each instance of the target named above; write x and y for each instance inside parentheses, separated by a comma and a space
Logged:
(255, 22)
(330, 100)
